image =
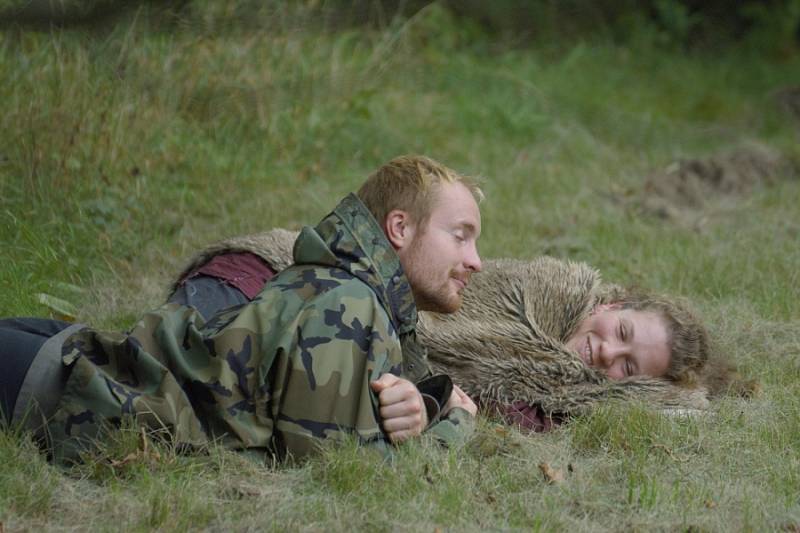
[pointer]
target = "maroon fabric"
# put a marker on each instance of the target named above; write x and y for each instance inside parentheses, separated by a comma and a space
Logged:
(243, 270)
(527, 417)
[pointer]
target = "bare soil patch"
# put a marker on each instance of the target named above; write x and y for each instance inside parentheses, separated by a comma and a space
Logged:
(788, 100)
(688, 190)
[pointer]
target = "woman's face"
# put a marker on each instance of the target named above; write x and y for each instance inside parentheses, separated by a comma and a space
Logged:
(623, 342)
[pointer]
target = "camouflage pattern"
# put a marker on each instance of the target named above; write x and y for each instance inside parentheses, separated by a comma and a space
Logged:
(279, 374)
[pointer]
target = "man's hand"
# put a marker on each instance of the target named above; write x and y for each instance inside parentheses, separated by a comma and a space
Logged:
(402, 408)
(459, 398)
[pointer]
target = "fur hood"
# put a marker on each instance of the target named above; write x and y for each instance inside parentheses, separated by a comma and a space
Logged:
(506, 343)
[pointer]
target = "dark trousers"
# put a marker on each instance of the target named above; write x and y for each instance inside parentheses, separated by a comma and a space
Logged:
(208, 294)
(20, 341)
(22, 338)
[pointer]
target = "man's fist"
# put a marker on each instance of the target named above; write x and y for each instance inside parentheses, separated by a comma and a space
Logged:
(402, 408)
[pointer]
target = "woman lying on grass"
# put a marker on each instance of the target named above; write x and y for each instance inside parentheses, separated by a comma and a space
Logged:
(534, 341)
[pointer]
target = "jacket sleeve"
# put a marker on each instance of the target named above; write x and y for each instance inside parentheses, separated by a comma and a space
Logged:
(319, 382)
(340, 342)
(453, 427)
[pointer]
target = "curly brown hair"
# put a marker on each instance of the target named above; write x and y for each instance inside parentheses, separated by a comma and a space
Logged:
(688, 339)
(694, 360)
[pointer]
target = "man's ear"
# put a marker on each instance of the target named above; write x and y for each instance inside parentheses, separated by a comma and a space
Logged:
(398, 228)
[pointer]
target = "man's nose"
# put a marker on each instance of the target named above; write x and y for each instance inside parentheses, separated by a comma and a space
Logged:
(472, 261)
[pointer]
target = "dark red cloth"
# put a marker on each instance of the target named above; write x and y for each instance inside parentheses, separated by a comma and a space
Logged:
(243, 270)
(527, 417)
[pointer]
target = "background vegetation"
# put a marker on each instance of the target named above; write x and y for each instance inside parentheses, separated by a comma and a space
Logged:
(129, 140)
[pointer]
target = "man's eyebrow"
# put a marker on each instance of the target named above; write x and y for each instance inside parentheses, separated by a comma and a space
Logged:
(469, 226)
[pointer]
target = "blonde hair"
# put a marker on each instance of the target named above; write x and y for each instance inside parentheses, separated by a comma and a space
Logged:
(410, 183)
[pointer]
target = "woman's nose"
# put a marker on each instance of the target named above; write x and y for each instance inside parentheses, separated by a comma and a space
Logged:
(609, 352)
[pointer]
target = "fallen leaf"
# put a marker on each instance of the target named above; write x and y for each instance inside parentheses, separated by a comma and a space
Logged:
(243, 490)
(144, 454)
(144, 442)
(133, 456)
(62, 308)
(502, 431)
(428, 476)
(551, 475)
(69, 288)
(709, 503)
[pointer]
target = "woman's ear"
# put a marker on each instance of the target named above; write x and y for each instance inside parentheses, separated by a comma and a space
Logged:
(398, 228)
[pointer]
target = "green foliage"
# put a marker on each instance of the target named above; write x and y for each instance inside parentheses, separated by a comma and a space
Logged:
(676, 21)
(682, 24)
(774, 31)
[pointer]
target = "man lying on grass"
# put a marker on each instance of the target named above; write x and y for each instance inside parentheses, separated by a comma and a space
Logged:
(327, 348)
(535, 341)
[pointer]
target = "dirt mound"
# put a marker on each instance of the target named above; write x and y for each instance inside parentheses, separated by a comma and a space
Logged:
(788, 100)
(687, 186)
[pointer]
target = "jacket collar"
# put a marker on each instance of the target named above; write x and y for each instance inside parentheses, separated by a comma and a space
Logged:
(351, 239)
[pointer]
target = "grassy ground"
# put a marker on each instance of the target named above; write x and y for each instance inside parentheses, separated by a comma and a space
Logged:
(123, 149)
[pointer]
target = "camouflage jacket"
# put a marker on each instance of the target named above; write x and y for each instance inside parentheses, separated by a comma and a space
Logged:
(277, 375)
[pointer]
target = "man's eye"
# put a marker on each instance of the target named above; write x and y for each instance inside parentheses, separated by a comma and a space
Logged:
(628, 368)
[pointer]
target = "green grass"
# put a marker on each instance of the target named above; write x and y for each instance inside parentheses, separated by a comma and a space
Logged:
(124, 149)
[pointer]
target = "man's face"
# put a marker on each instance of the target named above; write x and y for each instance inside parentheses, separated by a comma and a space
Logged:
(442, 255)
(623, 342)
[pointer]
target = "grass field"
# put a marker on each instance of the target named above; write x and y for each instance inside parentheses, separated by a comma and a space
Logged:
(124, 149)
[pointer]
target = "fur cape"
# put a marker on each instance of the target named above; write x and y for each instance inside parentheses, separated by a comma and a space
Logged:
(506, 343)
(275, 247)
